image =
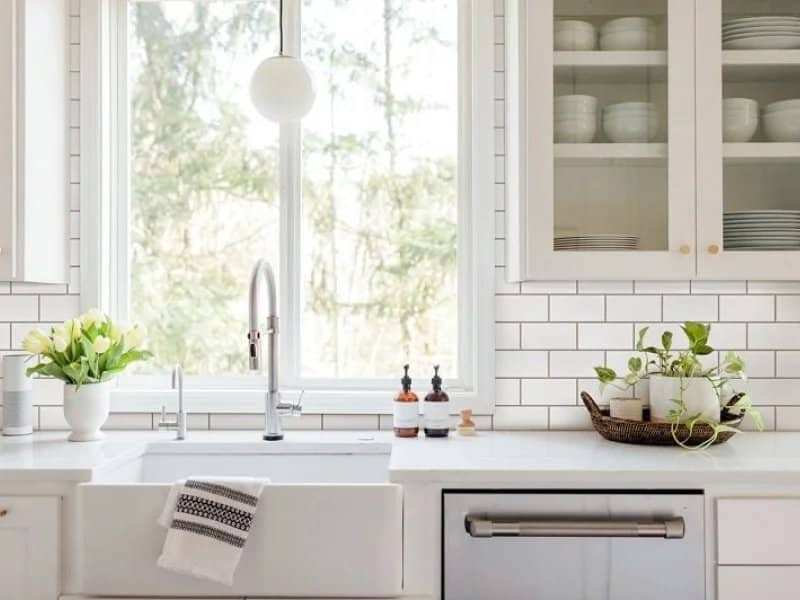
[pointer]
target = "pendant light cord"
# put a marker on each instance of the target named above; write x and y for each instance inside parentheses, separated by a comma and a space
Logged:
(280, 27)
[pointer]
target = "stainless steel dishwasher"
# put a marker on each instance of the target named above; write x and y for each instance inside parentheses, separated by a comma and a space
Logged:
(574, 545)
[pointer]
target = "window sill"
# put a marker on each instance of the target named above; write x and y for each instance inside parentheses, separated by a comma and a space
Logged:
(252, 401)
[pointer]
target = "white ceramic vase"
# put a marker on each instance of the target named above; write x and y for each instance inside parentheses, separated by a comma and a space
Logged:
(86, 409)
(699, 396)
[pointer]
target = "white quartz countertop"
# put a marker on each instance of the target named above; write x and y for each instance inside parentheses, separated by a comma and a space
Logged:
(508, 458)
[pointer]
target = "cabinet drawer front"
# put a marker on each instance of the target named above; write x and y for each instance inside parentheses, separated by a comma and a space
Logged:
(747, 583)
(758, 531)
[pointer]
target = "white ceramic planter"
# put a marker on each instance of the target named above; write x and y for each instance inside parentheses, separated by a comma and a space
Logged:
(86, 409)
(699, 396)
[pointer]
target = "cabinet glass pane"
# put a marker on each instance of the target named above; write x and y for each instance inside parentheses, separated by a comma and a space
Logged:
(761, 124)
(610, 125)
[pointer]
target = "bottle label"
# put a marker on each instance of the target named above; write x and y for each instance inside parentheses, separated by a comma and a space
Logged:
(406, 414)
(437, 415)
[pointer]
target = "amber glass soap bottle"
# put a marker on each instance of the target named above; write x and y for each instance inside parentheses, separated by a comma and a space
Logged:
(406, 409)
(437, 409)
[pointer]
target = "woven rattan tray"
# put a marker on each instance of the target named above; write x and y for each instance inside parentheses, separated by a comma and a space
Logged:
(653, 433)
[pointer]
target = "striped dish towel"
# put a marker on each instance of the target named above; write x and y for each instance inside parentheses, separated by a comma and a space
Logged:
(208, 522)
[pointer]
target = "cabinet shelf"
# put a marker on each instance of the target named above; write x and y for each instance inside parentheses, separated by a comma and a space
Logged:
(760, 65)
(604, 154)
(597, 66)
(758, 152)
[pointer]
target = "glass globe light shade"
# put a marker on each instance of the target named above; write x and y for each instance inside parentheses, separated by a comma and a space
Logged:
(281, 89)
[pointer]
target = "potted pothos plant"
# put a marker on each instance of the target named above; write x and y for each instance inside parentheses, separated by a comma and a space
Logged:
(86, 353)
(683, 390)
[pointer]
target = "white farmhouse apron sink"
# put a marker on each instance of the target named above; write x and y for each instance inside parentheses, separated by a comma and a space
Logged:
(328, 525)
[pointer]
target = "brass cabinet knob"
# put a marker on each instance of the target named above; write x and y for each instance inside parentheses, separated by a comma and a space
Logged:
(3, 512)
(685, 249)
(713, 249)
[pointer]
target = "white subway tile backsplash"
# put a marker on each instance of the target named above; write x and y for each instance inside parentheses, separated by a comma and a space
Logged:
(237, 421)
(690, 308)
(787, 418)
(773, 336)
(576, 308)
(549, 287)
(58, 308)
(565, 418)
(758, 363)
(746, 308)
(719, 287)
(121, 421)
(520, 417)
(538, 392)
(579, 363)
(633, 308)
(502, 285)
(506, 392)
(601, 336)
(787, 364)
(775, 392)
(662, 287)
(520, 363)
(773, 287)
(767, 416)
(605, 287)
(19, 308)
(5, 336)
(506, 336)
(787, 308)
(520, 308)
(549, 336)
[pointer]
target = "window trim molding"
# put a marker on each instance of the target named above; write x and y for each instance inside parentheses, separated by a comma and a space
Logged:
(101, 214)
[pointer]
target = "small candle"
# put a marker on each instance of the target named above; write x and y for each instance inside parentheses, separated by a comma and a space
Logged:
(626, 408)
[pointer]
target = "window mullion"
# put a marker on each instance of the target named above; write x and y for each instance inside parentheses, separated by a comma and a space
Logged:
(290, 207)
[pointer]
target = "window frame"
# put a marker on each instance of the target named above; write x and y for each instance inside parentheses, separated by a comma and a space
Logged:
(104, 234)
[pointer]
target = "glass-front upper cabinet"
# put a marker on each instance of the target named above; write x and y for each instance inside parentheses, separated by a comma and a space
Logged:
(748, 138)
(600, 138)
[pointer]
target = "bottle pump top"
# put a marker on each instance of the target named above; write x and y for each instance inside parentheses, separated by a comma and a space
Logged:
(406, 380)
(436, 381)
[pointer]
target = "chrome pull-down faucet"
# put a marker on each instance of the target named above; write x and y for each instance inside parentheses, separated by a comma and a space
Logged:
(273, 407)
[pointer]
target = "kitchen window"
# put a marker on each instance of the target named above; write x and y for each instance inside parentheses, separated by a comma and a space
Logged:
(373, 210)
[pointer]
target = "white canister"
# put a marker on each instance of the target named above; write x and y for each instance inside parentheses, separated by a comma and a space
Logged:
(17, 396)
(626, 408)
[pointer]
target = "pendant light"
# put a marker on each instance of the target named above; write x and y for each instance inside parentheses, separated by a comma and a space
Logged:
(281, 88)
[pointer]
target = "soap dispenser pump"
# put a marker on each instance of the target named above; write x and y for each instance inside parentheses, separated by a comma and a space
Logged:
(437, 408)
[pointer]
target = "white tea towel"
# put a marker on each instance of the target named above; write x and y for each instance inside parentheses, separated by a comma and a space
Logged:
(209, 520)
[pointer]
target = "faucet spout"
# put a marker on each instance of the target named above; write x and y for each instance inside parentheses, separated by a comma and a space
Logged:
(272, 404)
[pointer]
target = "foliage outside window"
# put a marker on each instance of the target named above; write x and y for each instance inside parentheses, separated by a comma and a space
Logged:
(378, 248)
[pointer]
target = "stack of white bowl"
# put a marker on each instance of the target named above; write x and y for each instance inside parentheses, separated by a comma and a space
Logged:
(575, 119)
(631, 122)
(782, 121)
(739, 119)
(570, 34)
(628, 33)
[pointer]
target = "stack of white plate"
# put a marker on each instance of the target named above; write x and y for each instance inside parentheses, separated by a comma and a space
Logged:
(631, 122)
(762, 230)
(628, 33)
(604, 242)
(761, 33)
(571, 34)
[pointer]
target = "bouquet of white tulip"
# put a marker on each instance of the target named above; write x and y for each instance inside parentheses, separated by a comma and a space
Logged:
(87, 349)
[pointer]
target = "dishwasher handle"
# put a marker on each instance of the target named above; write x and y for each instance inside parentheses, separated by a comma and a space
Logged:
(486, 527)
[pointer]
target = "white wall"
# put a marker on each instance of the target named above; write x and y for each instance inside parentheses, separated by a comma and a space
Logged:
(549, 334)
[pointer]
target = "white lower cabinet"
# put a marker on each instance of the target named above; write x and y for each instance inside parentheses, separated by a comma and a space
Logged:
(29, 548)
(750, 583)
(758, 548)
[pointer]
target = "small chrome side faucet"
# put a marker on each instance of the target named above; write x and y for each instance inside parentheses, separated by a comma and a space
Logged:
(179, 424)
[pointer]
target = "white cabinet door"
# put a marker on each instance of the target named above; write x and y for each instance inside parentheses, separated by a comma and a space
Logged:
(748, 191)
(605, 192)
(29, 548)
(33, 141)
(7, 193)
(748, 583)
